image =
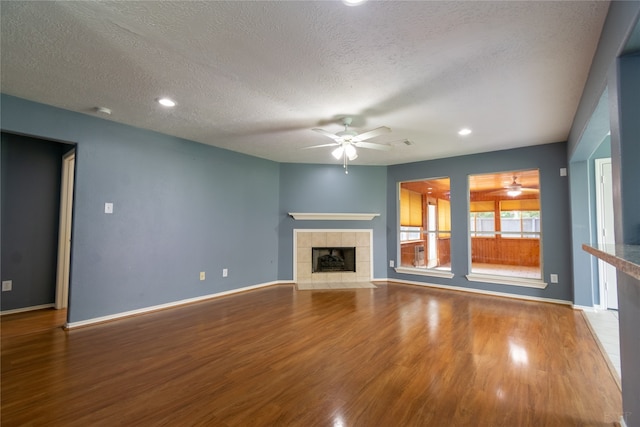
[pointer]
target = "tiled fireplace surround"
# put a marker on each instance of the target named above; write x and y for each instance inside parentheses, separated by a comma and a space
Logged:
(304, 240)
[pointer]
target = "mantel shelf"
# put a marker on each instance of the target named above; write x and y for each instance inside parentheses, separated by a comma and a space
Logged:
(307, 216)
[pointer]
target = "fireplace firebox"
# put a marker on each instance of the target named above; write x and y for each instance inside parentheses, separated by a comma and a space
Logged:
(328, 260)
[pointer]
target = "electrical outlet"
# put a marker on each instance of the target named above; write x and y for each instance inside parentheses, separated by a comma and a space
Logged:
(202, 275)
(392, 263)
(7, 285)
(553, 278)
(225, 272)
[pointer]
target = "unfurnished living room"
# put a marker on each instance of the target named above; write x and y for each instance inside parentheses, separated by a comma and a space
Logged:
(320, 213)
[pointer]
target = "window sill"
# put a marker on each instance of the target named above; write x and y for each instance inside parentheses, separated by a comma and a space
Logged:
(510, 281)
(424, 272)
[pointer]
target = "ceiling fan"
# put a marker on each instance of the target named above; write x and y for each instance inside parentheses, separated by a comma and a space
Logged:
(347, 140)
(515, 189)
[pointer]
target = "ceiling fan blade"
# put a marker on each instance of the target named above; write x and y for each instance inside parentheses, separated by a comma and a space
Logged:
(371, 133)
(333, 144)
(327, 133)
(373, 146)
(504, 191)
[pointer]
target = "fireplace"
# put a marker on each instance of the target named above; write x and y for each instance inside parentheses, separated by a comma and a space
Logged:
(358, 240)
(335, 259)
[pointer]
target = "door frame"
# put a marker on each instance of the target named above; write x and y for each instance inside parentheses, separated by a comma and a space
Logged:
(600, 225)
(65, 226)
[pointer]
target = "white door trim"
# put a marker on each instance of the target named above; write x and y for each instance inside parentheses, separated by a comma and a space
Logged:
(64, 235)
(606, 273)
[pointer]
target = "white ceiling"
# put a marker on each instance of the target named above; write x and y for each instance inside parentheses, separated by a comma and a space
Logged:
(256, 77)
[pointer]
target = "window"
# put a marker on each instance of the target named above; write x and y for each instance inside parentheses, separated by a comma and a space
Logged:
(520, 219)
(410, 233)
(504, 224)
(425, 224)
(482, 219)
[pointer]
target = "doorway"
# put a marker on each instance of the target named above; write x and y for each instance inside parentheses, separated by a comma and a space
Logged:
(31, 185)
(604, 217)
(64, 235)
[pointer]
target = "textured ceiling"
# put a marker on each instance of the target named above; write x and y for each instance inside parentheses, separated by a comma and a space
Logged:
(256, 77)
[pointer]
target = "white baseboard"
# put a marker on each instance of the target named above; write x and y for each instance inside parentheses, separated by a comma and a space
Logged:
(481, 291)
(623, 423)
(585, 308)
(23, 309)
(102, 319)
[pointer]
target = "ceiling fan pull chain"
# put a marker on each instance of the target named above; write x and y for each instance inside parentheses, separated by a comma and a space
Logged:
(344, 163)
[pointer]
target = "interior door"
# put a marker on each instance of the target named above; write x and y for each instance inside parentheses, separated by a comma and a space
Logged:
(604, 214)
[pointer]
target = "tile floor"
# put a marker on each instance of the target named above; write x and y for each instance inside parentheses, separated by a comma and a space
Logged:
(506, 270)
(605, 325)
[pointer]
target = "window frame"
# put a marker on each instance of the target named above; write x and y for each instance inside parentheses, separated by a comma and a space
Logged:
(525, 203)
(403, 227)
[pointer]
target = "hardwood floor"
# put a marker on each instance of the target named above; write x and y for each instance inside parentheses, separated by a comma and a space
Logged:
(396, 355)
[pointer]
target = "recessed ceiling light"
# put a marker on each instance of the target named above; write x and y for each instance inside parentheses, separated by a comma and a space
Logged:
(353, 2)
(464, 131)
(167, 102)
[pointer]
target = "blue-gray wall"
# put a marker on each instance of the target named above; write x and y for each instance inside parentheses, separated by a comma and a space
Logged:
(625, 148)
(327, 189)
(582, 231)
(179, 208)
(31, 171)
(625, 158)
(554, 195)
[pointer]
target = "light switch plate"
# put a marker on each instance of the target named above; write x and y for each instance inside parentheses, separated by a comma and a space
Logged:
(7, 285)
(108, 208)
(553, 278)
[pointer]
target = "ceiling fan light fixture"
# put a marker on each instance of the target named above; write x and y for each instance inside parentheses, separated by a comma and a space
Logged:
(347, 141)
(514, 189)
(350, 152)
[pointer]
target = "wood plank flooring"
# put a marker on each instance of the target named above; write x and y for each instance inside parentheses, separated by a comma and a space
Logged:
(396, 355)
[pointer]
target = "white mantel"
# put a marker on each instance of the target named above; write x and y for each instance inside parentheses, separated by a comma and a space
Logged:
(307, 216)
